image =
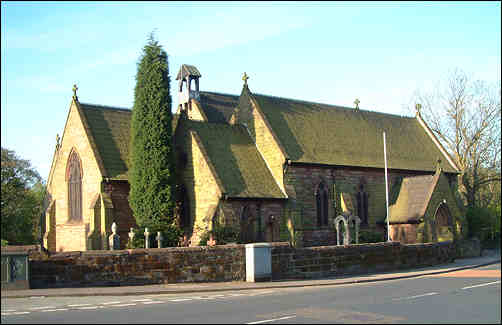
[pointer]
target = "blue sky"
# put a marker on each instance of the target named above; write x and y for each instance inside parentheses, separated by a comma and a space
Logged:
(328, 52)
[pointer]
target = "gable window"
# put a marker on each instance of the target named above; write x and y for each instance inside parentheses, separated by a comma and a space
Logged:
(321, 196)
(74, 179)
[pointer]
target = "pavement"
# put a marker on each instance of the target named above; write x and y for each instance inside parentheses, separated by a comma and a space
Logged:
(488, 257)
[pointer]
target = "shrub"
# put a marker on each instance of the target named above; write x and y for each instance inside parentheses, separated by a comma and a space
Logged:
(371, 236)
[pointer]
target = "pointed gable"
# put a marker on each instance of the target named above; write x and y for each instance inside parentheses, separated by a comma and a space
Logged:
(237, 162)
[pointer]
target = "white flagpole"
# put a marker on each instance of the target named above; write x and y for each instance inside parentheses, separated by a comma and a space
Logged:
(386, 186)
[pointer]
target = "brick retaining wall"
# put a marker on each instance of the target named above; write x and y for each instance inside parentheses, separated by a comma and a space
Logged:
(226, 263)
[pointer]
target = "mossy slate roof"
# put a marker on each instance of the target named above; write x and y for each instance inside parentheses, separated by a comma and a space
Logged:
(237, 162)
(109, 127)
(412, 196)
(334, 135)
(218, 107)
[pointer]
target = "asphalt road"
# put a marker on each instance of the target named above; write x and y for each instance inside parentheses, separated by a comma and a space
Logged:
(468, 296)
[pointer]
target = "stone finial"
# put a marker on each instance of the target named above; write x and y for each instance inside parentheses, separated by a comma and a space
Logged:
(147, 238)
(357, 101)
(75, 88)
(58, 144)
(159, 239)
(131, 235)
(245, 77)
(418, 107)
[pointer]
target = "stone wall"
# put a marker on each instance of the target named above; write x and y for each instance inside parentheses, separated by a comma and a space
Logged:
(139, 266)
(316, 262)
(226, 263)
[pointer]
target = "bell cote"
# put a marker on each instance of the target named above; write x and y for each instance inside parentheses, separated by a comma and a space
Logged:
(185, 76)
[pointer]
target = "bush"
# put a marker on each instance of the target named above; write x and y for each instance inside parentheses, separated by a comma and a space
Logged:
(484, 223)
(222, 234)
(371, 236)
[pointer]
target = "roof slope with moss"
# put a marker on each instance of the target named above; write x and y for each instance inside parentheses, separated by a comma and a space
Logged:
(334, 135)
(109, 127)
(238, 164)
(218, 107)
(412, 196)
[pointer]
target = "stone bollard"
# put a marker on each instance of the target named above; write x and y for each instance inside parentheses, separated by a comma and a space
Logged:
(147, 238)
(258, 262)
(114, 239)
(159, 239)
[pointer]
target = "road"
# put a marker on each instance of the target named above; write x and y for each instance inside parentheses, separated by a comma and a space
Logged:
(468, 296)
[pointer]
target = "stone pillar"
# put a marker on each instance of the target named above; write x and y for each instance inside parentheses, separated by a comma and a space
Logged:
(258, 262)
(147, 238)
(159, 239)
(114, 239)
(131, 236)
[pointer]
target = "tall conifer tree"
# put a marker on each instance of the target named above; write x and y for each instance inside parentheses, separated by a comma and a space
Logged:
(151, 172)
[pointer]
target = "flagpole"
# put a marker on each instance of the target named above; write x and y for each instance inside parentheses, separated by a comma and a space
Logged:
(386, 186)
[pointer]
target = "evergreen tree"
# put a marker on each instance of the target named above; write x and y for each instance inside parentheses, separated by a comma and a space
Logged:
(151, 171)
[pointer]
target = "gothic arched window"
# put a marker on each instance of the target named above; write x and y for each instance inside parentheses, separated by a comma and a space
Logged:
(322, 204)
(247, 225)
(74, 179)
(362, 203)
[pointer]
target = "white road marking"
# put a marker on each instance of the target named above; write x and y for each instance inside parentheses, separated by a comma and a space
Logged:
(140, 300)
(177, 300)
(9, 310)
(123, 305)
(79, 305)
(91, 307)
(111, 302)
(272, 320)
(19, 313)
(45, 307)
(153, 302)
(480, 285)
(418, 296)
(57, 309)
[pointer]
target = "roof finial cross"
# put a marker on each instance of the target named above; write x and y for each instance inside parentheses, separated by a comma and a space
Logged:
(357, 101)
(245, 77)
(75, 88)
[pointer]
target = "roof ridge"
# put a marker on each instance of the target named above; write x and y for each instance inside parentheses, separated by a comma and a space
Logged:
(331, 105)
(218, 93)
(107, 107)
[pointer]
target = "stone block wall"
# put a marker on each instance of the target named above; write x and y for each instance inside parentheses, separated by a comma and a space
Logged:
(301, 182)
(226, 263)
(138, 267)
(122, 212)
(316, 262)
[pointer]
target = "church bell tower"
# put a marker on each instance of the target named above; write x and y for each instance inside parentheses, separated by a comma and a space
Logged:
(185, 76)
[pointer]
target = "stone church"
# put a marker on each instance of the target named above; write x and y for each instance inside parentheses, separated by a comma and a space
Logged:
(256, 163)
